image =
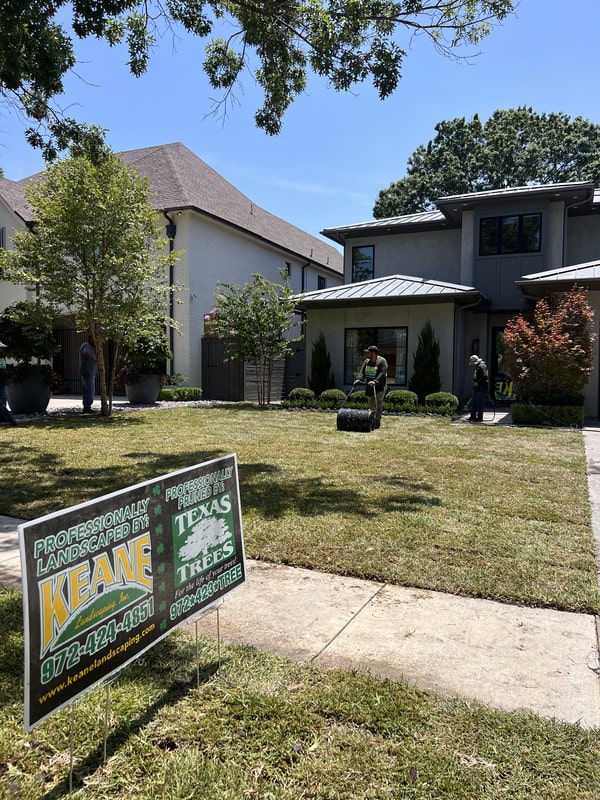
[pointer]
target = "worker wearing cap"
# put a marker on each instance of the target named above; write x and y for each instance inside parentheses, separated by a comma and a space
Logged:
(480, 388)
(373, 372)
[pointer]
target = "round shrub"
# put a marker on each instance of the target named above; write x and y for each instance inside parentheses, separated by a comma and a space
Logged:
(300, 393)
(401, 397)
(331, 398)
(358, 400)
(438, 399)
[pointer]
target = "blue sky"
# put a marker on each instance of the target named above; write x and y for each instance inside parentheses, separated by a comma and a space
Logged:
(336, 151)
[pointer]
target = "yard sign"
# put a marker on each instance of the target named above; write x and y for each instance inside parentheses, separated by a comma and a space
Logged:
(105, 580)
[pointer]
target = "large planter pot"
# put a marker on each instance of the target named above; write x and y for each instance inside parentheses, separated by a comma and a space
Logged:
(145, 391)
(29, 395)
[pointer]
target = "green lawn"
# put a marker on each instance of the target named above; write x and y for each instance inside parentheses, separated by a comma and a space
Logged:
(497, 512)
(494, 512)
(264, 727)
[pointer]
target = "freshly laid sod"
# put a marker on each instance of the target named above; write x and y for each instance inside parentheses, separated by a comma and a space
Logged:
(495, 512)
(264, 727)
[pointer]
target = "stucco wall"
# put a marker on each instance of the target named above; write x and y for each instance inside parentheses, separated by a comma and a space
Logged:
(435, 256)
(334, 321)
(215, 253)
(583, 240)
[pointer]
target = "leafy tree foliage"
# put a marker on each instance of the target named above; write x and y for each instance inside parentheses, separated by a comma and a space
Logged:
(549, 352)
(516, 147)
(321, 376)
(425, 379)
(279, 41)
(254, 320)
(96, 248)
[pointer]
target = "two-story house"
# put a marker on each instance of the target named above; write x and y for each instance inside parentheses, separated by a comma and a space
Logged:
(223, 237)
(468, 266)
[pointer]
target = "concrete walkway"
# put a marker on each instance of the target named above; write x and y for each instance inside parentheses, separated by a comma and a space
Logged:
(508, 657)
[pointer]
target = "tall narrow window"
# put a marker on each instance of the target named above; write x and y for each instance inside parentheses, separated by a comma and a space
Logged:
(363, 268)
(3, 238)
(321, 282)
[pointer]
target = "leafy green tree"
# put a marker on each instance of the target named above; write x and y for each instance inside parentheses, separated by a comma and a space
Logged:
(280, 43)
(321, 376)
(426, 364)
(549, 352)
(98, 249)
(517, 147)
(254, 320)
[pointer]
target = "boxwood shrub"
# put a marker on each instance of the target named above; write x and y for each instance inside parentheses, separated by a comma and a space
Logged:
(180, 393)
(400, 400)
(300, 398)
(441, 403)
(555, 416)
(331, 398)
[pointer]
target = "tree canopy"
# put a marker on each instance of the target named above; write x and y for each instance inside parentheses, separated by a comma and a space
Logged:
(549, 351)
(515, 147)
(97, 249)
(279, 41)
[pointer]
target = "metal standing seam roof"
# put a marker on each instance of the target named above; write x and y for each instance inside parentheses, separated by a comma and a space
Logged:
(393, 288)
(589, 271)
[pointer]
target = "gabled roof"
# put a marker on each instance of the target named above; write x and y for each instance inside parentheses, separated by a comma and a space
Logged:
(181, 181)
(393, 289)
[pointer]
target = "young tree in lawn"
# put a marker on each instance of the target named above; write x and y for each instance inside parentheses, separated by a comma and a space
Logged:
(549, 351)
(97, 248)
(426, 367)
(255, 320)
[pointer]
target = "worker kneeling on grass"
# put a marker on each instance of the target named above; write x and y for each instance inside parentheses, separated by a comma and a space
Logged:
(374, 373)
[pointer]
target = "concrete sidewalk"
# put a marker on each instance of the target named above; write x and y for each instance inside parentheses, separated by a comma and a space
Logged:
(509, 657)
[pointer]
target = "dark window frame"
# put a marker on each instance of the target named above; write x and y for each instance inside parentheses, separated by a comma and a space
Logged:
(380, 336)
(498, 240)
(360, 274)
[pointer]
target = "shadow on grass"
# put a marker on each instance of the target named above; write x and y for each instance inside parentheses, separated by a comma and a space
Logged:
(273, 499)
(126, 728)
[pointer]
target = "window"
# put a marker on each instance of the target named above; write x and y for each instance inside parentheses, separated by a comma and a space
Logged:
(363, 263)
(392, 346)
(288, 269)
(321, 282)
(518, 233)
(3, 238)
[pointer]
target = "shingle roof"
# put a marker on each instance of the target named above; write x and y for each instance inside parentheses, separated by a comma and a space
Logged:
(181, 180)
(391, 289)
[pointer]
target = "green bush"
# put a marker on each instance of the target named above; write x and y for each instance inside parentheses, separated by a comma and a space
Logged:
(180, 393)
(438, 399)
(300, 397)
(401, 397)
(300, 393)
(555, 416)
(358, 399)
(331, 398)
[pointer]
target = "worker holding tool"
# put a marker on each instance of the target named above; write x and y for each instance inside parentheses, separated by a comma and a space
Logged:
(373, 372)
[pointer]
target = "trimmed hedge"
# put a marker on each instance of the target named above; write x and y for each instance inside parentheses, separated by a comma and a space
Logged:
(331, 398)
(398, 401)
(555, 416)
(180, 393)
(401, 397)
